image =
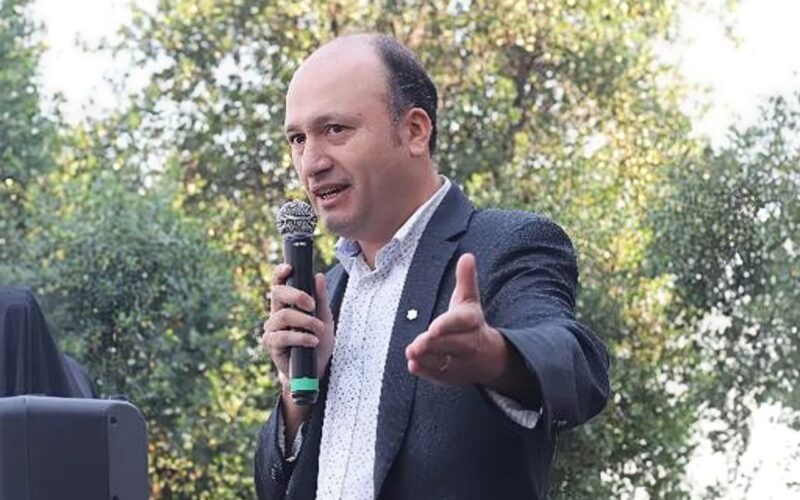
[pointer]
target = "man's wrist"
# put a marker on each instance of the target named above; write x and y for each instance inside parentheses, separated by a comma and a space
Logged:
(495, 359)
(293, 416)
(507, 373)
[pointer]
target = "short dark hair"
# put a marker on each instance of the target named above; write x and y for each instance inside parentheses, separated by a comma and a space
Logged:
(409, 84)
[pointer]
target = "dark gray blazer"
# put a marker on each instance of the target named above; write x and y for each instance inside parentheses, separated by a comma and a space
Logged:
(437, 442)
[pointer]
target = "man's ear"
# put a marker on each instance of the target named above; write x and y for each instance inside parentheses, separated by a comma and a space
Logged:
(418, 128)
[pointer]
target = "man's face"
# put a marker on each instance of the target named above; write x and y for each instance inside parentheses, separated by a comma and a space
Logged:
(345, 147)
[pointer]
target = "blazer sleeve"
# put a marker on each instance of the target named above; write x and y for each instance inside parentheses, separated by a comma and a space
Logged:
(272, 473)
(279, 479)
(531, 301)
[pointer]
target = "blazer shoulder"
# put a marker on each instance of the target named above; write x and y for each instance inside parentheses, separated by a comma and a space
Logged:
(501, 225)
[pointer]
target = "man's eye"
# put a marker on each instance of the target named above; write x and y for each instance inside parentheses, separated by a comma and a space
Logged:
(297, 139)
(334, 128)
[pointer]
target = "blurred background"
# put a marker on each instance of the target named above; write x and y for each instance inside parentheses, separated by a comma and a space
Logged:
(142, 162)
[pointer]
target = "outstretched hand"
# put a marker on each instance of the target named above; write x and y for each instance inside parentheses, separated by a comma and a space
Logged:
(459, 347)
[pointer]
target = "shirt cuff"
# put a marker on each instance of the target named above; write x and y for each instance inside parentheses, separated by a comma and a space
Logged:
(296, 444)
(513, 410)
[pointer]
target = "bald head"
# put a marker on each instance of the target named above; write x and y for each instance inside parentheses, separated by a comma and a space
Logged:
(406, 84)
(346, 43)
(346, 49)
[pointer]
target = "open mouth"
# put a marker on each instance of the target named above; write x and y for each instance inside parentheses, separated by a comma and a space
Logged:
(330, 191)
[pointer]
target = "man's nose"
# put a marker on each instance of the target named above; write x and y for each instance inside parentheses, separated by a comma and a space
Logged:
(315, 158)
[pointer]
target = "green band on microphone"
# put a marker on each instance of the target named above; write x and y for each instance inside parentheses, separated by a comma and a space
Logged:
(305, 384)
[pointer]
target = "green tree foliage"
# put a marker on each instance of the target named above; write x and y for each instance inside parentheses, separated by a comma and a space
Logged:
(25, 135)
(133, 287)
(731, 224)
(140, 296)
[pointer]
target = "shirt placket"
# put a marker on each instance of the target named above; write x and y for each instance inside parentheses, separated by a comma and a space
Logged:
(340, 413)
(358, 341)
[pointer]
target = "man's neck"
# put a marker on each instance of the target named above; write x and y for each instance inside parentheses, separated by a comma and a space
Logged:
(371, 248)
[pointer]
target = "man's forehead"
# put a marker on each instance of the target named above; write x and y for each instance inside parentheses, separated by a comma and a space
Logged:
(334, 77)
(335, 62)
(349, 48)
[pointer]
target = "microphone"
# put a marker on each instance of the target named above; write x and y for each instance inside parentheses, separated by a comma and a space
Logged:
(296, 222)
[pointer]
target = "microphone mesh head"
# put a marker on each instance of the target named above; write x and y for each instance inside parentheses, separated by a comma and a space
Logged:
(296, 217)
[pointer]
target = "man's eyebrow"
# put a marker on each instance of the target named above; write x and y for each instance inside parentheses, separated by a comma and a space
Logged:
(288, 129)
(316, 122)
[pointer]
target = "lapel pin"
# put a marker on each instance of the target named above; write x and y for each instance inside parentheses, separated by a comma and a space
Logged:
(412, 314)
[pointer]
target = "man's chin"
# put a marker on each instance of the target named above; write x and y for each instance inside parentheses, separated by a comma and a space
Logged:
(340, 226)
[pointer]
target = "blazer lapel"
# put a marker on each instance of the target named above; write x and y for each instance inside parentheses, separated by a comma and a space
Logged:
(335, 284)
(435, 250)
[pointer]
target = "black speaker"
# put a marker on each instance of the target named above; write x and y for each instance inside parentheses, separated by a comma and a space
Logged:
(72, 449)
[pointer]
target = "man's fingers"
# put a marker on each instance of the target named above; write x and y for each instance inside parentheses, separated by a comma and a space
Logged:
(462, 318)
(438, 368)
(428, 364)
(427, 345)
(280, 274)
(287, 296)
(282, 340)
(466, 289)
(419, 346)
(292, 319)
(429, 358)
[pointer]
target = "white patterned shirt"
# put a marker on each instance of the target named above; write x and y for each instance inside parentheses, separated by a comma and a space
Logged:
(363, 332)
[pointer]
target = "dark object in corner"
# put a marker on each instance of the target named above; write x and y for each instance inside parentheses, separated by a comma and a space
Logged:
(72, 449)
(30, 360)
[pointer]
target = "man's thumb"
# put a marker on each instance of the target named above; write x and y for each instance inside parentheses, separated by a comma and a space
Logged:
(466, 289)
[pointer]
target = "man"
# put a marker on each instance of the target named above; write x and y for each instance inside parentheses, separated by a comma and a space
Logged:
(449, 348)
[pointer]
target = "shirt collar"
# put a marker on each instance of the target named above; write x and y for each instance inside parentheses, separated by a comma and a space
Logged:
(348, 251)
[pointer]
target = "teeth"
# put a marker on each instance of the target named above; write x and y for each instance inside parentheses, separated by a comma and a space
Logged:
(329, 192)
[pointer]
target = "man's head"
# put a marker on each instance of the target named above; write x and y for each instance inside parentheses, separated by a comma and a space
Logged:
(359, 119)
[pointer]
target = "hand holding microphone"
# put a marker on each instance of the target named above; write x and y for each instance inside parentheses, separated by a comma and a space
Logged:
(299, 332)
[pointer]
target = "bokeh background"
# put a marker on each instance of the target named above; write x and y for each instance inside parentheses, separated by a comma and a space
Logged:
(142, 161)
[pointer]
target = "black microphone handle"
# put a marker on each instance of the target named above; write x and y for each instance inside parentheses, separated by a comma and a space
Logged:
(298, 251)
